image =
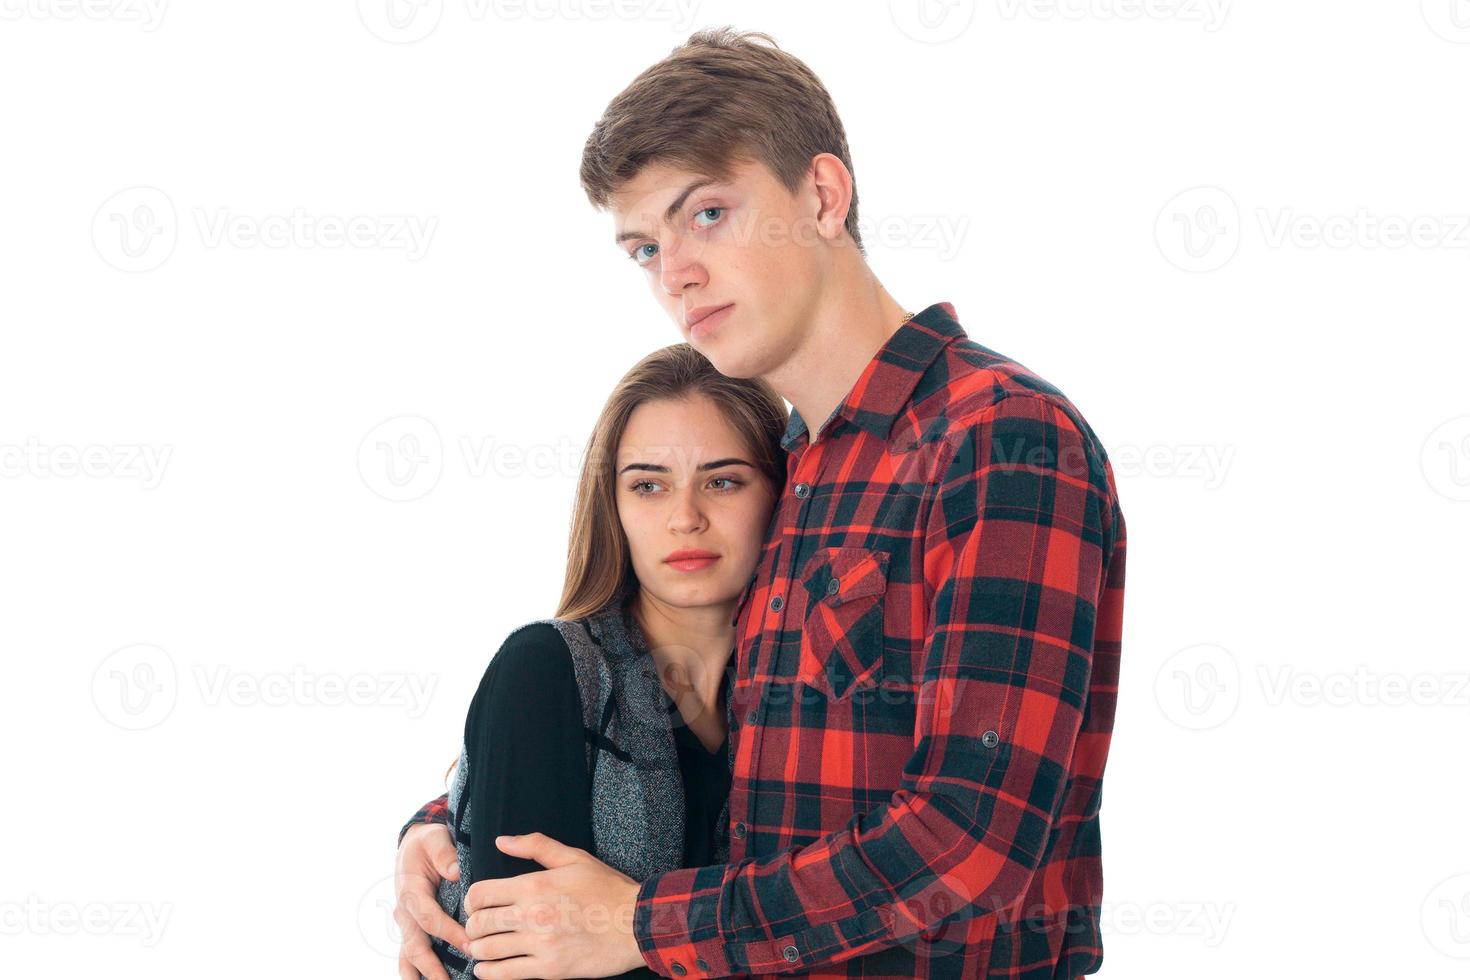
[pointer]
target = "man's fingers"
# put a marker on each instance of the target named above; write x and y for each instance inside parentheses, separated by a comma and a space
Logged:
(429, 917)
(439, 848)
(415, 955)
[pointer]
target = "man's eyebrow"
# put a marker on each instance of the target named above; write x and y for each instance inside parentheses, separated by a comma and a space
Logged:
(673, 209)
(716, 464)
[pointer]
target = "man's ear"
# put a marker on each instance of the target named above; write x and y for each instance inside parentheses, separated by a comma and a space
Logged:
(833, 185)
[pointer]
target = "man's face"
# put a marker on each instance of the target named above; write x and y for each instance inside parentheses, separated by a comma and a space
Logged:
(745, 247)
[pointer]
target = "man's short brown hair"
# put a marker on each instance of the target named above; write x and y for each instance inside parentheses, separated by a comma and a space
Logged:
(721, 97)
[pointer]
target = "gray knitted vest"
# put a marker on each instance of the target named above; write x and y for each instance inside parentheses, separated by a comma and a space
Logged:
(637, 789)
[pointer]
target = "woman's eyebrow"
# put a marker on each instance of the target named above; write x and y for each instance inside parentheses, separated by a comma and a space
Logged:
(716, 464)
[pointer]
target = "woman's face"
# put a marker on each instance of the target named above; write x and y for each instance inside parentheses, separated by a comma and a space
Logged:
(686, 482)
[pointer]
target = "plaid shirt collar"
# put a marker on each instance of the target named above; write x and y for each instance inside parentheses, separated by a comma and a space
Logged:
(882, 391)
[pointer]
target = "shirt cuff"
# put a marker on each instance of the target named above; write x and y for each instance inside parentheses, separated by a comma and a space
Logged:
(674, 922)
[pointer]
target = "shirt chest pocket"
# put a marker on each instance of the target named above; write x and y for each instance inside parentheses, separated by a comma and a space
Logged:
(842, 632)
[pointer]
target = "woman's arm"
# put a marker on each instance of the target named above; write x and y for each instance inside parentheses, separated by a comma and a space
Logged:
(527, 753)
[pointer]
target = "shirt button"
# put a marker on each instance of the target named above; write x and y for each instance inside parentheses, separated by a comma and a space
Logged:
(678, 969)
(791, 954)
(990, 740)
(750, 718)
(802, 489)
(833, 586)
(701, 964)
(740, 830)
(777, 603)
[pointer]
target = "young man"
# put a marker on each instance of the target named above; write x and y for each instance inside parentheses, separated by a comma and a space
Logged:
(927, 655)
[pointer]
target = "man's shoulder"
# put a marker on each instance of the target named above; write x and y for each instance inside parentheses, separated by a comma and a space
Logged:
(970, 384)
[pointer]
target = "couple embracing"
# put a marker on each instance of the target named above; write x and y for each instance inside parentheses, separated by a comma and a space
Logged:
(826, 693)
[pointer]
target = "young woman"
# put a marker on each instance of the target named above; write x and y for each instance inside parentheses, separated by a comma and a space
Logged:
(607, 726)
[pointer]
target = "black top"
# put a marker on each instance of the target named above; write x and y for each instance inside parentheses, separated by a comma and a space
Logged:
(526, 741)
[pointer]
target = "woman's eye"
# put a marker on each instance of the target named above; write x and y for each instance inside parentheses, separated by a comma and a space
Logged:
(727, 479)
(641, 483)
(706, 213)
(640, 256)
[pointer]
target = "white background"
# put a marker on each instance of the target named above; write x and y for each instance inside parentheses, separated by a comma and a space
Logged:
(1235, 234)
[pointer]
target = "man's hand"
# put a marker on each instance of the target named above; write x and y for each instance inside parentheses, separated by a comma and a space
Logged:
(573, 920)
(426, 857)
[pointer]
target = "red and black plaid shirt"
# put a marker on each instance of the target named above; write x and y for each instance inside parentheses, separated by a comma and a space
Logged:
(926, 676)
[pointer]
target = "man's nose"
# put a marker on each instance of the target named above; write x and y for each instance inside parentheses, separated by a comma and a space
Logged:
(681, 270)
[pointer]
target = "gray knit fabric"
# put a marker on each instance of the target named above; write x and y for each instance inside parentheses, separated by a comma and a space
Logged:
(637, 790)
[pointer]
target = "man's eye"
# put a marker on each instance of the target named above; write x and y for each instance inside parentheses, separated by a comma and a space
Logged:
(707, 212)
(640, 256)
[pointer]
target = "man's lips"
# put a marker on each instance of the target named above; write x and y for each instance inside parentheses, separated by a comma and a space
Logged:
(695, 316)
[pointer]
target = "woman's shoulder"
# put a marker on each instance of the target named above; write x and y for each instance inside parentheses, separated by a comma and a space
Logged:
(532, 653)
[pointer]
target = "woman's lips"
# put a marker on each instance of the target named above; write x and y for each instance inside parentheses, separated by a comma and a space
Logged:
(692, 564)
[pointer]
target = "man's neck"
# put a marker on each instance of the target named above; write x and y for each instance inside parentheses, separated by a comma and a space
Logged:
(851, 323)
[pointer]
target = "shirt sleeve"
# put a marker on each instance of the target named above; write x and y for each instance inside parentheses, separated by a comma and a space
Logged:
(434, 811)
(1016, 543)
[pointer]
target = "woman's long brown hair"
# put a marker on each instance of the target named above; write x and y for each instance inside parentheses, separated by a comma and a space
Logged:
(598, 562)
